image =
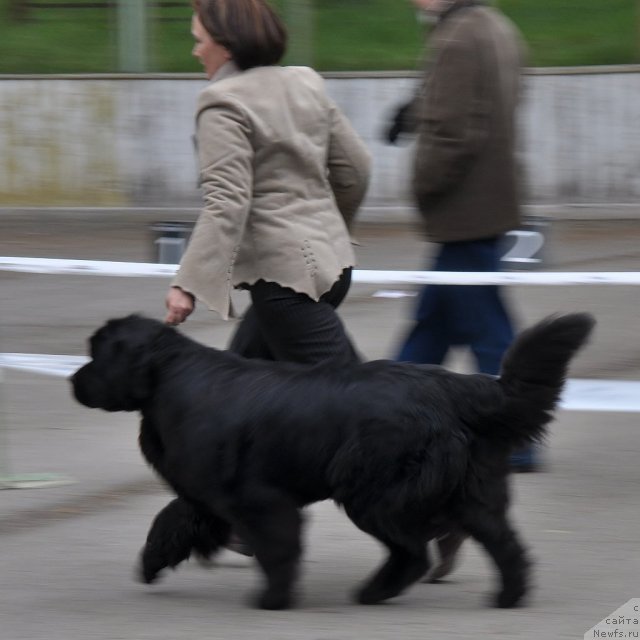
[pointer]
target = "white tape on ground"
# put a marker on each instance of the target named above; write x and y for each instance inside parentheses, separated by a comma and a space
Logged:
(364, 276)
(579, 395)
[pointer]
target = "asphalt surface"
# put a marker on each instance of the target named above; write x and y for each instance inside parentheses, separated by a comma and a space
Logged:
(67, 553)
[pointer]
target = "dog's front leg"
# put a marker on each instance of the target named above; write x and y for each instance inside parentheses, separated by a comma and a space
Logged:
(271, 524)
(176, 532)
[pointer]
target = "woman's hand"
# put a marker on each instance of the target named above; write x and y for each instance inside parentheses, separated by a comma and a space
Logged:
(180, 306)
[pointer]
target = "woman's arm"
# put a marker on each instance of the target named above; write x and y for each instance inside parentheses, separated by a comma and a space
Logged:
(225, 156)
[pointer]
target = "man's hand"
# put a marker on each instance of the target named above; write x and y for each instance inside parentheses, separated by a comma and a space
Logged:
(180, 306)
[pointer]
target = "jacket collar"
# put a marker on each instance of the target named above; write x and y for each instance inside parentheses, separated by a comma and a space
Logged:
(227, 70)
(457, 5)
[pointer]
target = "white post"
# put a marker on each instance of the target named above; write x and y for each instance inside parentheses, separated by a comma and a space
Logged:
(21, 481)
(132, 35)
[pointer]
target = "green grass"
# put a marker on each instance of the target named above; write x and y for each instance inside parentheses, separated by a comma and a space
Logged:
(578, 32)
(348, 35)
(367, 34)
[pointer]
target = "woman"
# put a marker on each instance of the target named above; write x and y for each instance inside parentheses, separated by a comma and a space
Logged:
(283, 174)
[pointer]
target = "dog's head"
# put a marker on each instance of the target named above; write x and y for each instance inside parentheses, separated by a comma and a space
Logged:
(119, 375)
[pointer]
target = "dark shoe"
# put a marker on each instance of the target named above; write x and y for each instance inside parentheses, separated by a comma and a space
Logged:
(238, 545)
(525, 460)
(448, 551)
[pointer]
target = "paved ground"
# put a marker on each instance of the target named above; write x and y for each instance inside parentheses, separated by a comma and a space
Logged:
(66, 553)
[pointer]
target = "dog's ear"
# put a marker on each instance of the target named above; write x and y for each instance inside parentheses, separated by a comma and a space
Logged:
(125, 348)
(141, 375)
(138, 341)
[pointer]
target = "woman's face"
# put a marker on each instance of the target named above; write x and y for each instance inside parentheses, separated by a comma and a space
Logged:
(211, 54)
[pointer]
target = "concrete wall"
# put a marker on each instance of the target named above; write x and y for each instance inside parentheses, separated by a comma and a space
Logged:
(126, 141)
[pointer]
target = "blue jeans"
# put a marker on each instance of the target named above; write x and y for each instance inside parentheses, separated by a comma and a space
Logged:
(461, 315)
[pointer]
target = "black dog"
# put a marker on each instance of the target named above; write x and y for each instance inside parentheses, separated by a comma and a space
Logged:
(409, 451)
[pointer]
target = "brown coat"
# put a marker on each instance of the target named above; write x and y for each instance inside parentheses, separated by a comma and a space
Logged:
(283, 174)
(465, 181)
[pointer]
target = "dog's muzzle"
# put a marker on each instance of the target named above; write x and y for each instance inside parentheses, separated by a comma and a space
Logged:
(86, 388)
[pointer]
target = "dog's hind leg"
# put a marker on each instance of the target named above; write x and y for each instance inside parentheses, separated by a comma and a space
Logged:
(179, 530)
(405, 565)
(407, 562)
(271, 524)
(496, 535)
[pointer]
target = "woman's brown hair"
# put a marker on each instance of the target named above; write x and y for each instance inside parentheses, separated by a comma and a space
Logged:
(250, 29)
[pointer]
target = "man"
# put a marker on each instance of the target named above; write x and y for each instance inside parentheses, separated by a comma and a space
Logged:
(465, 185)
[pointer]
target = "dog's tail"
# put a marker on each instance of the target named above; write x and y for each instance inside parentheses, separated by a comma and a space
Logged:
(533, 374)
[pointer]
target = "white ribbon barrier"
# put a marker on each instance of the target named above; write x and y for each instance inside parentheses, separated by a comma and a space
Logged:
(55, 266)
(579, 395)
(363, 276)
(62, 366)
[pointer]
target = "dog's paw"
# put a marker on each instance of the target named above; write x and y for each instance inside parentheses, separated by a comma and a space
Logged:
(370, 595)
(508, 599)
(146, 575)
(273, 601)
(146, 571)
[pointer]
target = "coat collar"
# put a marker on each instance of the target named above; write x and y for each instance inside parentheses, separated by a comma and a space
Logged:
(227, 70)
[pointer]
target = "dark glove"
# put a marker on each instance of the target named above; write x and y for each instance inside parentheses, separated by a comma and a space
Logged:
(400, 123)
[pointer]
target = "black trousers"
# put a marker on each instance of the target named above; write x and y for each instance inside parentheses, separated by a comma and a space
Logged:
(282, 324)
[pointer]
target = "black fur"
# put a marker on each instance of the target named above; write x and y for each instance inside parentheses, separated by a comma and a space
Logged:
(409, 451)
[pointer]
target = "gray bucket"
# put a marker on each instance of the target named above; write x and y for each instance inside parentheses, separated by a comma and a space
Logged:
(171, 240)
